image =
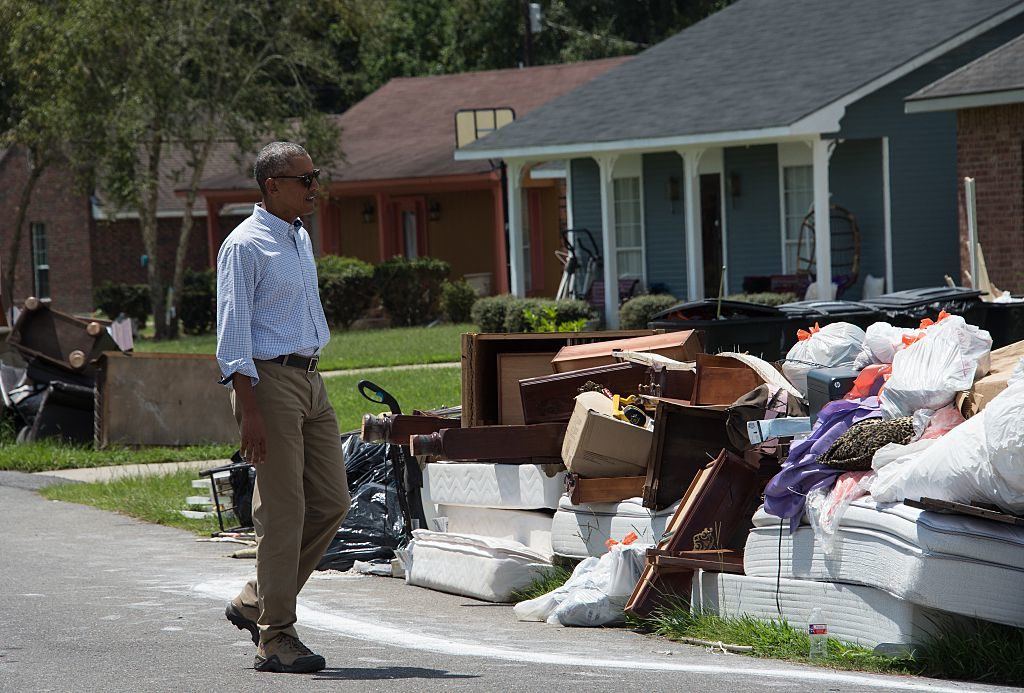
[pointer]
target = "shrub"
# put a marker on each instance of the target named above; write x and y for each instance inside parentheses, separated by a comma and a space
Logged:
(346, 288)
(198, 302)
(131, 299)
(489, 312)
(568, 315)
(637, 312)
(766, 298)
(457, 300)
(411, 289)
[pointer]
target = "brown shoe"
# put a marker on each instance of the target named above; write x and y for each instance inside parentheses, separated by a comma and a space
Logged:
(288, 655)
(244, 618)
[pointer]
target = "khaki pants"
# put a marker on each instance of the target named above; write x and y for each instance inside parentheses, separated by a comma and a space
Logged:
(301, 493)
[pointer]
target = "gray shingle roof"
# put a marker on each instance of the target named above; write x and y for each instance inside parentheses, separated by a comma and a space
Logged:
(999, 70)
(756, 64)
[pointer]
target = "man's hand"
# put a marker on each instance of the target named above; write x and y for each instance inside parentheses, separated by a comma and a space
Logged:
(254, 437)
(254, 432)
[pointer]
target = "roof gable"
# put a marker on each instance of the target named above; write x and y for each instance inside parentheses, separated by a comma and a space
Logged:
(758, 64)
(992, 79)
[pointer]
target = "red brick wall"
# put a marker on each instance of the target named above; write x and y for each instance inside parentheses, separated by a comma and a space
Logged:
(65, 212)
(117, 248)
(990, 144)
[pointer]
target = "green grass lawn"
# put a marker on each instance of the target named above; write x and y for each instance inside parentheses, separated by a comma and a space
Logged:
(154, 499)
(417, 388)
(47, 455)
(398, 346)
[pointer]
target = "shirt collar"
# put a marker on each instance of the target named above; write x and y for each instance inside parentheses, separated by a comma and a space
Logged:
(275, 224)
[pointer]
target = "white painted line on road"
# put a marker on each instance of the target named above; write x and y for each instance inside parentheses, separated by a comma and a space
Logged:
(390, 635)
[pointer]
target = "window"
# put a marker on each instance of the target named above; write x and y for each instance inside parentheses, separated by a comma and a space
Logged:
(40, 263)
(797, 196)
(629, 229)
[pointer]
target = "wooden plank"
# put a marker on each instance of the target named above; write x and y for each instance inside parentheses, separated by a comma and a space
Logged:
(491, 442)
(511, 369)
(681, 346)
(725, 561)
(480, 364)
(713, 507)
(686, 439)
(603, 490)
(396, 428)
(149, 399)
(722, 380)
(551, 398)
(951, 507)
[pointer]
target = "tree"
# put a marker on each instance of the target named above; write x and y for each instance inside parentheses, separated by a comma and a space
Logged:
(188, 75)
(35, 97)
(376, 40)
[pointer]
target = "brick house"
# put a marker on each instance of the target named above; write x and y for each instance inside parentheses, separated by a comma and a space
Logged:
(988, 98)
(73, 242)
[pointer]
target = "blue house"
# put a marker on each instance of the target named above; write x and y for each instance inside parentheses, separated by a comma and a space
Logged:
(710, 148)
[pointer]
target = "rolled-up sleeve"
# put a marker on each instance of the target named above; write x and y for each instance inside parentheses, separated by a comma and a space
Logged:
(236, 287)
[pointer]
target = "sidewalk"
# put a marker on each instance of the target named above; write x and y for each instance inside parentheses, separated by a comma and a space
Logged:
(122, 470)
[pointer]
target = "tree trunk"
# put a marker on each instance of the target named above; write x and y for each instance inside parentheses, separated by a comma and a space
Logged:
(35, 170)
(185, 234)
(150, 232)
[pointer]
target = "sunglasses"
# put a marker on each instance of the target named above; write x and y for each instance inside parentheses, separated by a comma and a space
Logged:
(306, 178)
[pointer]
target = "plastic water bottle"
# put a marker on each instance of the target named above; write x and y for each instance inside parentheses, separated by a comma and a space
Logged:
(817, 629)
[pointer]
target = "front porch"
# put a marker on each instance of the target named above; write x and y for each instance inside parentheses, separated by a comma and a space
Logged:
(695, 221)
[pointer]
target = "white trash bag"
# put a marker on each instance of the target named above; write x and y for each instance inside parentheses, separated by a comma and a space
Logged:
(834, 345)
(981, 460)
(595, 594)
(929, 372)
(881, 342)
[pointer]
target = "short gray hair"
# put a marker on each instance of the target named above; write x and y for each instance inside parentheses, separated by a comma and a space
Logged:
(273, 161)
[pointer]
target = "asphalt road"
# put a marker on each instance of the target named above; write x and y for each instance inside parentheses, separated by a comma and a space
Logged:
(94, 601)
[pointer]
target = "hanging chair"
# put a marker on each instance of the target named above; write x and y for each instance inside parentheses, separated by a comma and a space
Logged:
(845, 248)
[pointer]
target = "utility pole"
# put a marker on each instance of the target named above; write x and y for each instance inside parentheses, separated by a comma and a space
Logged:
(528, 41)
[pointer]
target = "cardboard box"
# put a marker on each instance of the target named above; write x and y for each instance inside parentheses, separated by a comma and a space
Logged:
(598, 445)
(681, 346)
(1004, 361)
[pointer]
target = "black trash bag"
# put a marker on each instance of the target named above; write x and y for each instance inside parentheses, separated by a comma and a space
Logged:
(374, 526)
(243, 481)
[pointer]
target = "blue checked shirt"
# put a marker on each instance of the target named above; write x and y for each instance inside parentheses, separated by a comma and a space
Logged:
(268, 304)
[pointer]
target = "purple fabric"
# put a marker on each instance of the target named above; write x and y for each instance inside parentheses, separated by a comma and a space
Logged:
(786, 493)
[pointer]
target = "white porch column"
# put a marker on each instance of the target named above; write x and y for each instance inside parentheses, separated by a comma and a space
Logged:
(517, 275)
(887, 214)
(608, 246)
(694, 232)
(822, 218)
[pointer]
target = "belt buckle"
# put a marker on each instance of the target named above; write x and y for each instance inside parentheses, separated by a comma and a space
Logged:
(313, 361)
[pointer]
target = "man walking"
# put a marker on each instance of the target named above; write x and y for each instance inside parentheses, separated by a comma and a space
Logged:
(270, 331)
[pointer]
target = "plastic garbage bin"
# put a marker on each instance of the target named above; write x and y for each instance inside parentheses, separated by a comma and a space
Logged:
(908, 308)
(729, 326)
(803, 314)
(1005, 322)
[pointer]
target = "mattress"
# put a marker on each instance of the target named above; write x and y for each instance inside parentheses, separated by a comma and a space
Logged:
(473, 566)
(509, 486)
(865, 616)
(531, 528)
(957, 564)
(579, 531)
